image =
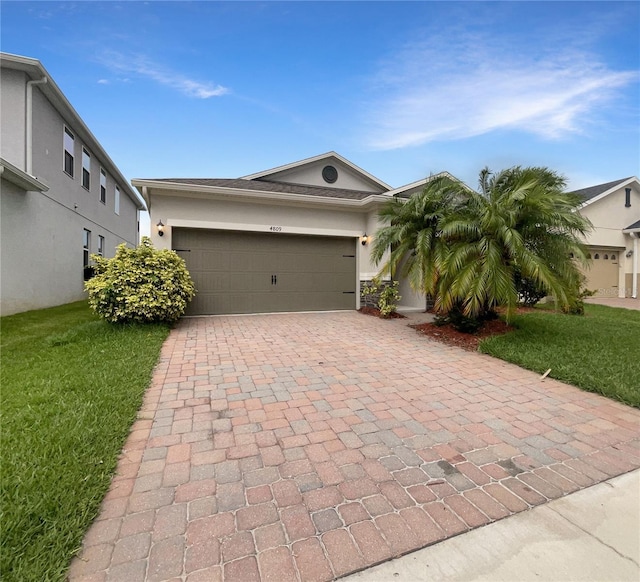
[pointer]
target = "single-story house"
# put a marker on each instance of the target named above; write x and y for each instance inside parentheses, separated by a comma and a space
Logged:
(293, 238)
(62, 197)
(614, 210)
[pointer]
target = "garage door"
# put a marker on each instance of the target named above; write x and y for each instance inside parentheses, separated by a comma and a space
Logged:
(240, 272)
(602, 277)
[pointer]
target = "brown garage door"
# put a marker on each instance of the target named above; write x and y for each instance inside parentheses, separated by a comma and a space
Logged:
(245, 272)
(602, 277)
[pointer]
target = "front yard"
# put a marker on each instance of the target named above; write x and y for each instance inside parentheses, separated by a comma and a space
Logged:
(599, 352)
(71, 387)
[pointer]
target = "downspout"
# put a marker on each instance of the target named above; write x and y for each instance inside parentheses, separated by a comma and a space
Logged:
(29, 125)
(634, 283)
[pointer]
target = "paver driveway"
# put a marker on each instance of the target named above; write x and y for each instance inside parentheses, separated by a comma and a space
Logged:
(307, 446)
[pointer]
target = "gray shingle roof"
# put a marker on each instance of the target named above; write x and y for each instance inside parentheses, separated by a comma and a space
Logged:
(636, 224)
(266, 185)
(593, 191)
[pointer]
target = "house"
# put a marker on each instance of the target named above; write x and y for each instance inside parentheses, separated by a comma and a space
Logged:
(614, 210)
(293, 238)
(62, 197)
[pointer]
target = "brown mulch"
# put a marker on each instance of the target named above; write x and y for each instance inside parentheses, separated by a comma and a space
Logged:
(467, 341)
(376, 313)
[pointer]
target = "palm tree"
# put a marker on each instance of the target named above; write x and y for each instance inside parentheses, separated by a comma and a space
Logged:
(464, 247)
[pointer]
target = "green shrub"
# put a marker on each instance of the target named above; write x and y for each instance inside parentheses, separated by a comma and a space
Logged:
(383, 296)
(141, 285)
(529, 292)
(576, 307)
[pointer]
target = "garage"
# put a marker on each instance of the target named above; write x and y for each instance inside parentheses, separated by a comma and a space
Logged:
(257, 272)
(602, 277)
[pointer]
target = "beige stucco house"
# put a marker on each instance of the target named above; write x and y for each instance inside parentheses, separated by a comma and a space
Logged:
(293, 238)
(614, 210)
(61, 196)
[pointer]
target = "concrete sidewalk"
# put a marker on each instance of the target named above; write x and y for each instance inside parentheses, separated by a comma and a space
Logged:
(593, 534)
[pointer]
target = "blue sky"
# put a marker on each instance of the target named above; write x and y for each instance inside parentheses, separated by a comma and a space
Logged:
(402, 89)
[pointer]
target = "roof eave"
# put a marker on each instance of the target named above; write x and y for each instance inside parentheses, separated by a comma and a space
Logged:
(21, 179)
(144, 187)
(619, 185)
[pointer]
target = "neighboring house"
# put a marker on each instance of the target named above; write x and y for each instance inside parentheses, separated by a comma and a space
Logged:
(294, 238)
(614, 210)
(62, 197)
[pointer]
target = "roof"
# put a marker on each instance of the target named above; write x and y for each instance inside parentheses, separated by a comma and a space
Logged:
(268, 186)
(593, 193)
(407, 190)
(21, 179)
(35, 70)
(634, 226)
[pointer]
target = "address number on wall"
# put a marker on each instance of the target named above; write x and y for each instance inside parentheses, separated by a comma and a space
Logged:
(275, 228)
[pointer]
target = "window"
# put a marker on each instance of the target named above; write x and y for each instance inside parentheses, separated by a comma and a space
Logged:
(86, 169)
(606, 257)
(627, 197)
(68, 142)
(101, 246)
(86, 247)
(596, 256)
(116, 204)
(103, 186)
(613, 257)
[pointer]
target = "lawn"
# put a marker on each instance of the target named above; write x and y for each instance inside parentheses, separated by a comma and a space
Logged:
(599, 352)
(71, 388)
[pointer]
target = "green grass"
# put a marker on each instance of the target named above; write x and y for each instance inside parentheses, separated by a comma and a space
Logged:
(599, 351)
(71, 388)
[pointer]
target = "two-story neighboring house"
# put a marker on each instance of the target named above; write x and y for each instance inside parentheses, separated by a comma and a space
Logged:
(62, 197)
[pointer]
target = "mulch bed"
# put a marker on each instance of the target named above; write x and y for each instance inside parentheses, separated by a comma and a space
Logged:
(467, 341)
(376, 313)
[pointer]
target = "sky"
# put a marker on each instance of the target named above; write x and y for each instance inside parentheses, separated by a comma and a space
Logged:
(402, 89)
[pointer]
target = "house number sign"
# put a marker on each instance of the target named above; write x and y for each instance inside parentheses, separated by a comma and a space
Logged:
(275, 228)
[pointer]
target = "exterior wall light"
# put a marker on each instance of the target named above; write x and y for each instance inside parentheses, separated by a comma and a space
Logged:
(160, 226)
(364, 239)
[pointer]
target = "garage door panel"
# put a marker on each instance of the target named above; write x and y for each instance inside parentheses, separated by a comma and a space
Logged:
(234, 271)
(602, 275)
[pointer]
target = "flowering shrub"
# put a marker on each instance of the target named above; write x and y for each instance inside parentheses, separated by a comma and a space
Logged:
(140, 285)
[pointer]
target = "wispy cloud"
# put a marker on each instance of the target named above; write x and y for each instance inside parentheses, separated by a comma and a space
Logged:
(454, 86)
(142, 66)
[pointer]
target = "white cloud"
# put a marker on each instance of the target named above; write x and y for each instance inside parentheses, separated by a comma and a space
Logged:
(441, 89)
(103, 82)
(142, 66)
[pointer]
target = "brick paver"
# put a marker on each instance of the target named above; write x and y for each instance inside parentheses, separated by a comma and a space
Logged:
(307, 446)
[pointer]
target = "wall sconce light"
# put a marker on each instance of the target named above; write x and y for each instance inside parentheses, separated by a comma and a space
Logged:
(364, 238)
(160, 226)
(629, 253)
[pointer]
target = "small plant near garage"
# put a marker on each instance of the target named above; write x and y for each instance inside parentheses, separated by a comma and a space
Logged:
(382, 296)
(141, 285)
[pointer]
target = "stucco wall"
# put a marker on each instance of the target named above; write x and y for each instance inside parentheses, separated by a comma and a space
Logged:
(41, 262)
(609, 216)
(12, 101)
(48, 164)
(312, 174)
